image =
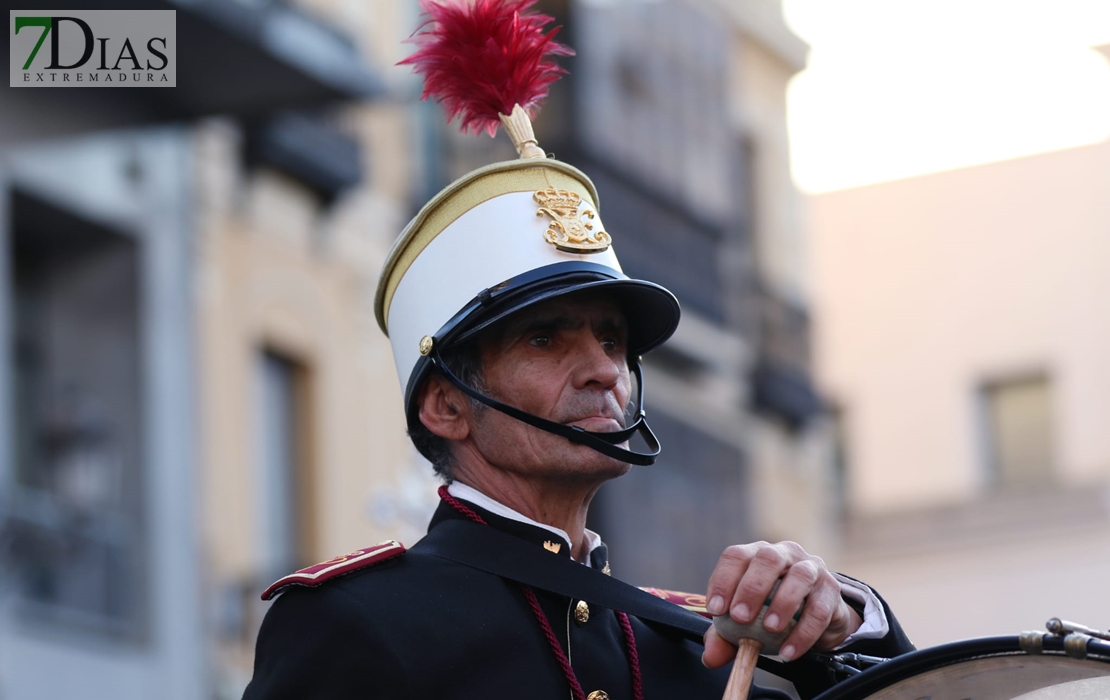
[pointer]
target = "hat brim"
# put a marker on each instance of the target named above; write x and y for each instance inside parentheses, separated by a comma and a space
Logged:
(651, 311)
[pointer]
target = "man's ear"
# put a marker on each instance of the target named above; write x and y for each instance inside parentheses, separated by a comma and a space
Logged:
(443, 409)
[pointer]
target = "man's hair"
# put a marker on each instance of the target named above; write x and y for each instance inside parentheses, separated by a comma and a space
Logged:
(465, 362)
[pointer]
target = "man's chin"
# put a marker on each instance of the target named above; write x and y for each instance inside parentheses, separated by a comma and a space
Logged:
(593, 464)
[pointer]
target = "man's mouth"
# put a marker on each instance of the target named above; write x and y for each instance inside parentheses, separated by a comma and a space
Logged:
(599, 424)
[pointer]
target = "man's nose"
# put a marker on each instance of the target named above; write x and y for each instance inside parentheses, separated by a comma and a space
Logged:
(595, 366)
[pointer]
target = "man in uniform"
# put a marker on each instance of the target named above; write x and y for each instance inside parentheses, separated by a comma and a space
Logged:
(517, 340)
(517, 395)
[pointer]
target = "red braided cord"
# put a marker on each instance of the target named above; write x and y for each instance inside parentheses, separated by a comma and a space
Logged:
(552, 640)
(460, 506)
(556, 648)
(633, 656)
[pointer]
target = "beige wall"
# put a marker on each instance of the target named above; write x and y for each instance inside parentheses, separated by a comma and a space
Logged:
(997, 587)
(278, 271)
(998, 566)
(924, 289)
(927, 287)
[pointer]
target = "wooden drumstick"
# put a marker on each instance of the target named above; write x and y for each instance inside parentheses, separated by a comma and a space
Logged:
(743, 669)
(751, 640)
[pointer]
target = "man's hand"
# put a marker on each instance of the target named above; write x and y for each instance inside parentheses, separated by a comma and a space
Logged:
(743, 579)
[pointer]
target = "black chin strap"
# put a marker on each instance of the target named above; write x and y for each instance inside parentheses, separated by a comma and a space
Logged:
(605, 443)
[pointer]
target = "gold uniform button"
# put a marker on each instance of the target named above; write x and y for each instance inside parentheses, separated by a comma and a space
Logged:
(598, 695)
(582, 613)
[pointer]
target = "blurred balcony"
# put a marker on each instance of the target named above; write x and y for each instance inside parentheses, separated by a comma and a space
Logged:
(782, 387)
(240, 59)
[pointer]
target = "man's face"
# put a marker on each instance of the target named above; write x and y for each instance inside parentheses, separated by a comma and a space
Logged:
(564, 360)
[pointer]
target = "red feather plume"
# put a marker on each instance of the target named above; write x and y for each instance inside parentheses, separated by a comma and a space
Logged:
(480, 58)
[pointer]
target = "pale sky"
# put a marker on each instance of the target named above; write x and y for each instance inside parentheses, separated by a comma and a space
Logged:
(896, 88)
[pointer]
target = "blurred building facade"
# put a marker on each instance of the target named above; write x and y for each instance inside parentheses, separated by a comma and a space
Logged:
(962, 337)
(185, 294)
(196, 396)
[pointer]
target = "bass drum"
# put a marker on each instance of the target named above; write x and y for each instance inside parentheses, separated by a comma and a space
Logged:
(991, 668)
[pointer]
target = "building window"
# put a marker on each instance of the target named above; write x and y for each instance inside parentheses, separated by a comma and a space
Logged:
(75, 518)
(281, 474)
(1020, 432)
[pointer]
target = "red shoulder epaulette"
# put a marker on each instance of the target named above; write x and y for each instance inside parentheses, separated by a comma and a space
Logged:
(325, 571)
(694, 602)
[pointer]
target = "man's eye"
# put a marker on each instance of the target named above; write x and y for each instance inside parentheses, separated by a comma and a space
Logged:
(540, 340)
(610, 344)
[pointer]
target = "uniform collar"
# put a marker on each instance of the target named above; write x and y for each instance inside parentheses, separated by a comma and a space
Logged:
(597, 552)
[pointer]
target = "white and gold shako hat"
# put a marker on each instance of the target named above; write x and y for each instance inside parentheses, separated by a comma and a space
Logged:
(504, 237)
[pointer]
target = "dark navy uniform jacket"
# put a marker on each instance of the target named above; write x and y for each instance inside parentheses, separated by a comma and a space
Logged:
(421, 626)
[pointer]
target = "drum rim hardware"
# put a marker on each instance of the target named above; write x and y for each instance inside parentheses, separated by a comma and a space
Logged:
(851, 664)
(1077, 639)
(860, 675)
(1063, 627)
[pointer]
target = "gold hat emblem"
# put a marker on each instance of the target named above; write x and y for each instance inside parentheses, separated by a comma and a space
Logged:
(570, 230)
